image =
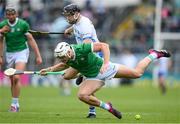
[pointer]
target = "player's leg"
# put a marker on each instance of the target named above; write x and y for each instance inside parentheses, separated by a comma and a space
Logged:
(126, 72)
(138, 71)
(20, 59)
(71, 73)
(15, 87)
(89, 87)
(92, 111)
(161, 81)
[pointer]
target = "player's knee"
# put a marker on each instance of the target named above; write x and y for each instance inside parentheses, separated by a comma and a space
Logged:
(138, 75)
(16, 78)
(82, 96)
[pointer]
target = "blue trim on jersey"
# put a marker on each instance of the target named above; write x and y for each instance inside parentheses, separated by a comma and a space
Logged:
(89, 38)
(100, 54)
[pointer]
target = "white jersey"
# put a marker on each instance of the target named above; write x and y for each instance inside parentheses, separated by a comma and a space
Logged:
(84, 29)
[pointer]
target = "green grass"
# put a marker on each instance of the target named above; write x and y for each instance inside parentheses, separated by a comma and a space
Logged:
(46, 105)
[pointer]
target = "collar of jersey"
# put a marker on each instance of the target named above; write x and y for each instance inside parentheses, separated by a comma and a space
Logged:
(14, 22)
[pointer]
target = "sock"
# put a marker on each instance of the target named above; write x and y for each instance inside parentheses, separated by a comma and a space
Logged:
(152, 56)
(15, 101)
(92, 110)
(104, 105)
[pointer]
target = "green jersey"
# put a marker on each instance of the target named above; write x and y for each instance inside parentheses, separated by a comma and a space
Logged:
(85, 61)
(16, 38)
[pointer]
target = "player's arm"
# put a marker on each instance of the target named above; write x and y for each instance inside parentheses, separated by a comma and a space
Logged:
(1, 49)
(1, 45)
(3, 29)
(54, 68)
(104, 48)
(32, 43)
(34, 46)
(58, 67)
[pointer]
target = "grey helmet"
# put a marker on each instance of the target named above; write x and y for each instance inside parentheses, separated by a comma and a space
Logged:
(70, 9)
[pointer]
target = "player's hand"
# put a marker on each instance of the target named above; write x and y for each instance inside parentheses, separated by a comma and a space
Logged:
(39, 60)
(104, 67)
(5, 29)
(44, 71)
(67, 33)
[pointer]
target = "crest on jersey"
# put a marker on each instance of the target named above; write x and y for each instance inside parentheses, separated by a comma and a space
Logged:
(18, 29)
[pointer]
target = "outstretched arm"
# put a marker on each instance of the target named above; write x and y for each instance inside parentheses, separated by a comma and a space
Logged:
(54, 68)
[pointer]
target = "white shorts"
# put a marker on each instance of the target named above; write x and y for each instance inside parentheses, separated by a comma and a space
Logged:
(14, 57)
(108, 74)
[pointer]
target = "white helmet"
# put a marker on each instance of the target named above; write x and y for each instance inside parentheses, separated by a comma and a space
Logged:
(61, 49)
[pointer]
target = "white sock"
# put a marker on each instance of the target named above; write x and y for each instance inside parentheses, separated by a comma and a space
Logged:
(15, 101)
(152, 56)
(104, 105)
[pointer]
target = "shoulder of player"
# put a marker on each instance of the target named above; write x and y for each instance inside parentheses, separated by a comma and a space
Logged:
(82, 48)
(76, 46)
(85, 20)
(22, 21)
(4, 22)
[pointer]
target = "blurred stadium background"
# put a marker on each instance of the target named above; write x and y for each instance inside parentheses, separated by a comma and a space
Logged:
(129, 26)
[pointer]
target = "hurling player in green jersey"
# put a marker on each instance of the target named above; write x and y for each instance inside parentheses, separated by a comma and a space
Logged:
(97, 70)
(14, 32)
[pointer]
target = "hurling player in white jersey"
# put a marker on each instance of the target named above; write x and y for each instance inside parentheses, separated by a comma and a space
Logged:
(84, 32)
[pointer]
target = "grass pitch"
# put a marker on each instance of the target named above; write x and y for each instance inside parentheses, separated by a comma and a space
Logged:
(46, 105)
